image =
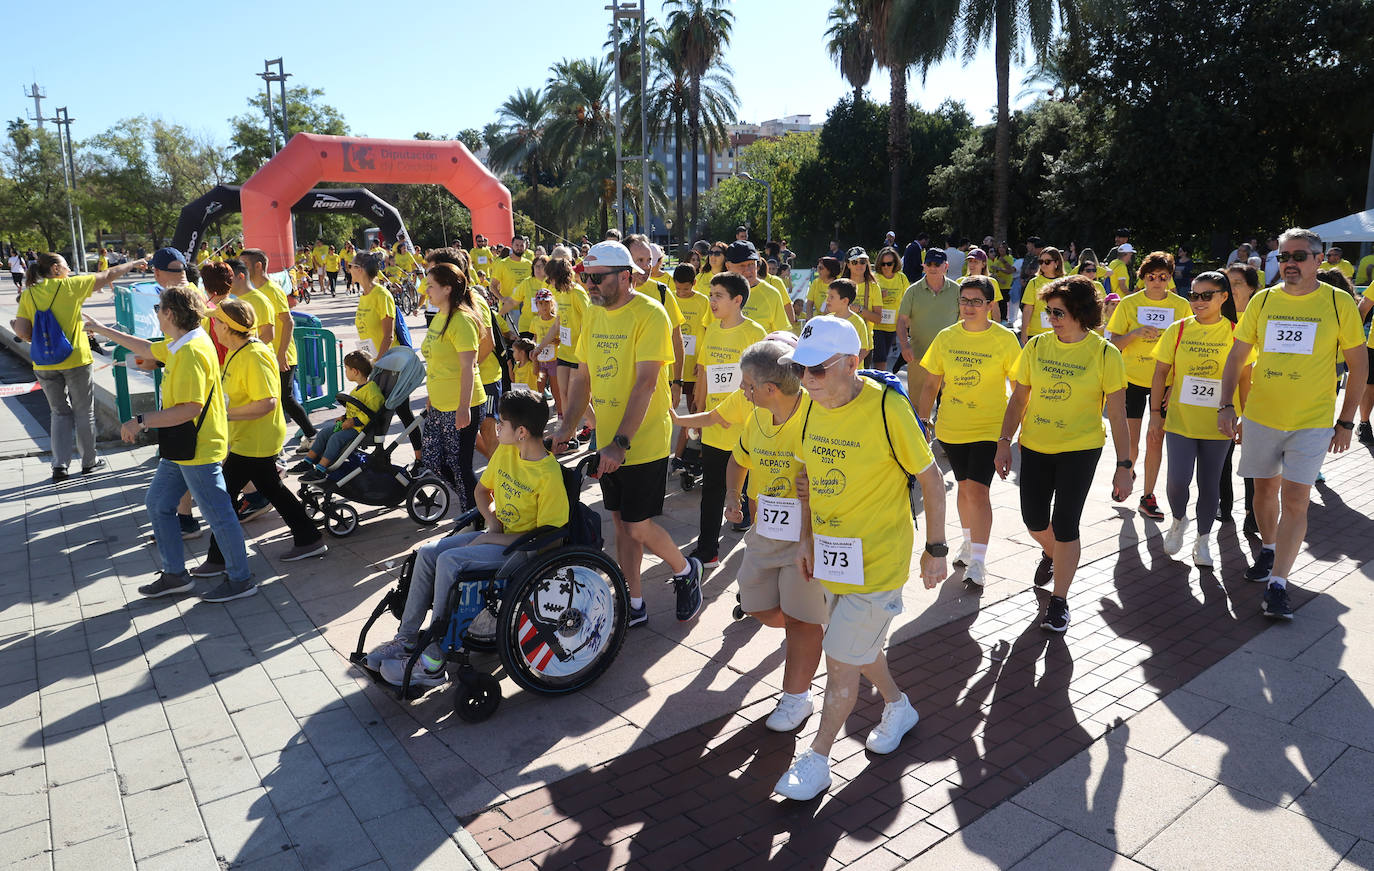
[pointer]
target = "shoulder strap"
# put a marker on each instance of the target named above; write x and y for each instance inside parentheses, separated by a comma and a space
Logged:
(1179, 338)
(204, 409)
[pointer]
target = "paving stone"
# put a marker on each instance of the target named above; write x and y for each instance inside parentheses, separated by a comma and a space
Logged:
(412, 838)
(244, 827)
(1345, 713)
(1343, 651)
(371, 786)
(162, 820)
(294, 777)
(18, 702)
(1361, 856)
(1341, 796)
(246, 688)
(219, 769)
(195, 856)
(107, 852)
(308, 693)
(199, 720)
(1068, 850)
(25, 847)
(149, 762)
(132, 716)
(998, 840)
(1160, 727)
(23, 796)
(70, 709)
(327, 835)
(1273, 687)
(337, 735)
(85, 809)
(267, 727)
(77, 755)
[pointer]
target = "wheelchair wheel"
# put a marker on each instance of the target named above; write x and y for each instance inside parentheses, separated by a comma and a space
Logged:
(563, 620)
(427, 501)
(341, 519)
(476, 696)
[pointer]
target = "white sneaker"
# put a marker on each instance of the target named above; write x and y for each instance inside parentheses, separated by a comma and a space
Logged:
(1202, 553)
(965, 554)
(976, 573)
(898, 719)
(808, 777)
(393, 649)
(1173, 539)
(790, 713)
(393, 672)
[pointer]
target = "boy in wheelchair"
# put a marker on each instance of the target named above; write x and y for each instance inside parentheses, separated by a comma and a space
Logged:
(331, 441)
(520, 490)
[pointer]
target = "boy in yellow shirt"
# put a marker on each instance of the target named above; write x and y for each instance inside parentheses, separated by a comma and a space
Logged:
(838, 299)
(520, 491)
(331, 441)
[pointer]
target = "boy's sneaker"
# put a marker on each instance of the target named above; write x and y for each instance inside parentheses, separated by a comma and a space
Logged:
(1056, 615)
(190, 527)
(301, 468)
(965, 554)
(1044, 571)
(790, 713)
(1173, 538)
(688, 588)
(808, 777)
(301, 551)
(584, 433)
(229, 590)
(393, 671)
(899, 717)
(166, 585)
(638, 616)
(208, 569)
(1263, 567)
(707, 562)
(1365, 433)
(253, 506)
(313, 476)
(1276, 603)
(1149, 508)
(396, 648)
(976, 573)
(304, 446)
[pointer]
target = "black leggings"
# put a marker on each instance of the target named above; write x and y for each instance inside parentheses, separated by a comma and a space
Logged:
(1228, 495)
(262, 471)
(292, 409)
(407, 417)
(713, 463)
(1064, 479)
(333, 281)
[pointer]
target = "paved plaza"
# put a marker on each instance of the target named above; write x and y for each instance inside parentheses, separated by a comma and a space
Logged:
(1172, 728)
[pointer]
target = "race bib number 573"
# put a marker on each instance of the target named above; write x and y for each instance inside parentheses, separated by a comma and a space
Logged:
(839, 560)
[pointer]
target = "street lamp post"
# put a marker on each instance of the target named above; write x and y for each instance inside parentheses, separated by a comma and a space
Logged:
(634, 13)
(768, 192)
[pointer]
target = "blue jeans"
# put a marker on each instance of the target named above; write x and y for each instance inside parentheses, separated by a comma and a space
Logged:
(206, 483)
(437, 565)
(331, 441)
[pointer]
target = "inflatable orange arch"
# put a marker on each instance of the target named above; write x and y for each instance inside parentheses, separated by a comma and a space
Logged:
(309, 159)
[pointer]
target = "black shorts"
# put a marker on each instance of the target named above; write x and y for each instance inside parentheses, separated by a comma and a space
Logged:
(566, 363)
(636, 491)
(492, 407)
(1370, 378)
(1137, 400)
(1054, 488)
(972, 461)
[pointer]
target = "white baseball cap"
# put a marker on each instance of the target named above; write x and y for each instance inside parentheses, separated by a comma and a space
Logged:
(655, 253)
(1126, 248)
(822, 338)
(609, 253)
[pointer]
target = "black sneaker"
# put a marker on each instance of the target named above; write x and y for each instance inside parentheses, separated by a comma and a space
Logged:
(59, 474)
(1044, 572)
(1263, 567)
(166, 585)
(707, 562)
(1056, 615)
(638, 616)
(1276, 603)
(229, 590)
(94, 467)
(1365, 433)
(742, 526)
(313, 476)
(688, 589)
(252, 506)
(1149, 508)
(190, 527)
(301, 468)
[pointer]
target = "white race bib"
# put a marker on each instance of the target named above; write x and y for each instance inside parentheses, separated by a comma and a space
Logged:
(889, 316)
(779, 518)
(368, 347)
(839, 560)
(722, 378)
(1202, 392)
(565, 335)
(1155, 316)
(1289, 337)
(481, 261)
(1045, 320)
(546, 355)
(689, 344)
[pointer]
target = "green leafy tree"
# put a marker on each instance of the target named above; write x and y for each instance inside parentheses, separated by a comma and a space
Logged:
(472, 138)
(33, 196)
(251, 142)
(703, 29)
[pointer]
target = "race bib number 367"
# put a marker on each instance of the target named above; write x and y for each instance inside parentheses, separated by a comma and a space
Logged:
(722, 378)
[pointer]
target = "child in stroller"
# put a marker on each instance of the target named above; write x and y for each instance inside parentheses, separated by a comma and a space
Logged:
(330, 442)
(364, 472)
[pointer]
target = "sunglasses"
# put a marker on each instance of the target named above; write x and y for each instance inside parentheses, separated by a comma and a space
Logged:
(1049, 262)
(888, 264)
(1086, 269)
(595, 278)
(816, 371)
(1057, 314)
(1204, 295)
(1295, 256)
(972, 302)
(1158, 276)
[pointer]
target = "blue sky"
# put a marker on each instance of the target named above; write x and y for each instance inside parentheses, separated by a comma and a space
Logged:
(437, 69)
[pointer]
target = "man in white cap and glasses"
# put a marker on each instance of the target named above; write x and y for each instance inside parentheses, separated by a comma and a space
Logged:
(858, 445)
(625, 350)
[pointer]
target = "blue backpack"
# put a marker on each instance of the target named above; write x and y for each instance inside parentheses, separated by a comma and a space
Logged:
(50, 344)
(402, 331)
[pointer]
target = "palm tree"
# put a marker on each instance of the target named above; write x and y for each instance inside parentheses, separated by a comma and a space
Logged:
(850, 46)
(702, 29)
(580, 99)
(589, 189)
(525, 120)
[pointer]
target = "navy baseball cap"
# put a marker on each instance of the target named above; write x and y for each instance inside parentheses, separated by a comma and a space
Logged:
(741, 252)
(936, 257)
(169, 260)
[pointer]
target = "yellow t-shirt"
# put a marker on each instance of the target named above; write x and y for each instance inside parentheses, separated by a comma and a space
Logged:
(1294, 382)
(201, 256)
(666, 298)
(373, 307)
(1120, 275)
(275, 295)
(523, 293)
(317, 255)
(696, 316)
(1068, 384)
(250, 374)
(784, 293)
(858, 487)
(370, 395)
(64, 296)
(192, 372)
(769, 451)
(527, 494)
(526, 374)
(331, 262)
(734, 410)
(975, 367)
(572, 309)
(1198, 358)
(1038, 322)
(718, 361)
(488, 367)
(510, 272)
(406, 261)
(892, 289)
(1369, 295)
(765, 307)
(1345, 267)
(481, 258)
(816, 293)
(102, 264)
(1138, 310)
(861, 327)
(703, 283)
(610, 345)
(446, 338)
(263, 312)
(1364, 273)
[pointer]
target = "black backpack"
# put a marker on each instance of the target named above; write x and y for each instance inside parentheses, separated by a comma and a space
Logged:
(584, 524)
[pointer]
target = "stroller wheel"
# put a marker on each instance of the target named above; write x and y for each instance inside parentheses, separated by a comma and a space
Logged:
(427, 501)
(476, 696)
(688, 482)
(341, 519)
(311, 503)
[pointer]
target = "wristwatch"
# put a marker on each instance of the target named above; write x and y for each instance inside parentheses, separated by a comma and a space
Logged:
(1124, 464)
(622, 442)
(140, 422)
(937, 549)
(1347, 424)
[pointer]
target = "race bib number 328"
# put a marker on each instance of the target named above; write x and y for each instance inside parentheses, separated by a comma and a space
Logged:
(1290, 337)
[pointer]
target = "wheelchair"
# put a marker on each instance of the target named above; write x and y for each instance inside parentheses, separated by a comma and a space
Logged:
(556, 612)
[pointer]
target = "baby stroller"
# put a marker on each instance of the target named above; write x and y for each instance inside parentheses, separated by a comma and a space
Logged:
(556, 612)
(364, 472)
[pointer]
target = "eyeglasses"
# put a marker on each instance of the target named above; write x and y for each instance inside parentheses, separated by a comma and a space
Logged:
(972, 302)
(1295, 256)
(816, 371)
(1204, 295)
(1057, 314)
(1049, 262)
(888, 264)
(1092, 267)
(157, 307)
(595, 278)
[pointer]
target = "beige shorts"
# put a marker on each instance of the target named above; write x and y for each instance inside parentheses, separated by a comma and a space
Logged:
(768, 579)
(859, 623)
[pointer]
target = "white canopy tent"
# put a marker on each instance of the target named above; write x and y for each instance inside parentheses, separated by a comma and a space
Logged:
(1358, 227)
